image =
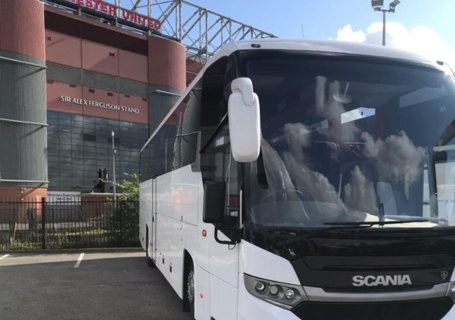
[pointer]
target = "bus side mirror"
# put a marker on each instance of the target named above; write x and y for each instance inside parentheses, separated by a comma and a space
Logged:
(214, 201)
(244, 121)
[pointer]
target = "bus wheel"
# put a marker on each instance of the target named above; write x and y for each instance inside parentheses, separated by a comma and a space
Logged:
(188, 303)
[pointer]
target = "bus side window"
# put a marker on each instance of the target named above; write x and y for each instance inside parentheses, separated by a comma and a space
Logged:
(218, 165)
(175, 143)
(190, 127)
(212, 99)
(215, 157)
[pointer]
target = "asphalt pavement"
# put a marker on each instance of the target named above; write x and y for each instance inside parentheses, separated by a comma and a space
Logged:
(85, 285)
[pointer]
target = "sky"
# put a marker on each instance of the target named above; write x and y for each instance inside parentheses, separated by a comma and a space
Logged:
(426, 26)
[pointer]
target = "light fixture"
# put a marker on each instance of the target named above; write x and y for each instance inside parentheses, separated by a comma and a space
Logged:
(394, 4)
(378, 5)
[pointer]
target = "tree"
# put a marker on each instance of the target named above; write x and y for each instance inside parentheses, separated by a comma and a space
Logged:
(129, 188)
(125, 218)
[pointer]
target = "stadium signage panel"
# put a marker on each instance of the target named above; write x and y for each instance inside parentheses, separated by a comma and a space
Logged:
(120, 13)
(99, 104)
(63, 196)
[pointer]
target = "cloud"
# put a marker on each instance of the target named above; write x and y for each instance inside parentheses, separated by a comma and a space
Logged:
(418, 39)
(348, 34)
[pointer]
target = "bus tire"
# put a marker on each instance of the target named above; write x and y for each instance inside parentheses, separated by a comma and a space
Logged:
(148, 259)
(189, 297)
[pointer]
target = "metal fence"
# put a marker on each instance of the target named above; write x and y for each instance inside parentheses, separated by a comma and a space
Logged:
(59, 225)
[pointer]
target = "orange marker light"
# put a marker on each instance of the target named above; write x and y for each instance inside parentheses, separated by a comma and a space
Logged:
(204, 233)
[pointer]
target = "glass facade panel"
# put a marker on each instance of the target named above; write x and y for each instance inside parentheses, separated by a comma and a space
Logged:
(80, 145)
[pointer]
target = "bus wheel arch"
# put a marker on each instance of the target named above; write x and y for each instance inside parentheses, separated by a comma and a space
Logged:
(188, 283)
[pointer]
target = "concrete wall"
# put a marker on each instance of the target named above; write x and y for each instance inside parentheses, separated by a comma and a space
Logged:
(22, 93)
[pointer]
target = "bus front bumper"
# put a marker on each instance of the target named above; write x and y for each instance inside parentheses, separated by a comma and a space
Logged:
(252, 308)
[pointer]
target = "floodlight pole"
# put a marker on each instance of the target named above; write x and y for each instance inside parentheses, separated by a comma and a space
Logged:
(391, 9)
(114, 183)
(383, 27)
(384, 22)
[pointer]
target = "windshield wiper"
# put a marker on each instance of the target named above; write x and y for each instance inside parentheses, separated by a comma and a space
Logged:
(372, 223)
(315, 233)
(339, 227)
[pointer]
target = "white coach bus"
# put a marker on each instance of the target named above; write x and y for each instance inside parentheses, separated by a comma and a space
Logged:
(306, 180)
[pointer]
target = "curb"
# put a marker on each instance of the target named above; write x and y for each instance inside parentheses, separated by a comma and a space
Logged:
(59, 251)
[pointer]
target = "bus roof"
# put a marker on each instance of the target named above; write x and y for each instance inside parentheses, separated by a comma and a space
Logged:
(310, 46)
(328, 46)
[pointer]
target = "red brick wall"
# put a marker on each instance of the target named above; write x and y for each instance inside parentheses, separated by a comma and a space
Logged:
(14, 193)
(22, 27)
(192, 69)
(167, 63)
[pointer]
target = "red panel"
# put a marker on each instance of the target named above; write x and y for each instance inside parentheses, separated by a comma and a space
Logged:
(100, 58)
(13, 193)
(90, 29)
(64, 49)
(57, 91)
(140, 107)
(22, 27)
(167, 63)
(132, 66)
(104, 98)
(192, 69)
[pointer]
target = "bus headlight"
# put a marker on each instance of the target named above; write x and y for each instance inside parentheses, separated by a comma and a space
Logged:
(451, 290)
(281, 294)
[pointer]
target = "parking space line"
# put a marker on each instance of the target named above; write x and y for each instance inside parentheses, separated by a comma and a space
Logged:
(4, 256)
(79, 260)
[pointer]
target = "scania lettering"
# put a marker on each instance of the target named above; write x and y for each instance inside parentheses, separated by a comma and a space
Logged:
(306, 180)
(373, 281)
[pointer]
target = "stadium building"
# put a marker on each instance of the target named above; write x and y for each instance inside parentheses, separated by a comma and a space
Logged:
(80, 77)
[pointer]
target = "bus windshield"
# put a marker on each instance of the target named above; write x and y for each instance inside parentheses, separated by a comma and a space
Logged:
(350, 140)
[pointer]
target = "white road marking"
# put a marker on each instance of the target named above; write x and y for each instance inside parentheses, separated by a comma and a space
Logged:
(4, 256)
(79, 260)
